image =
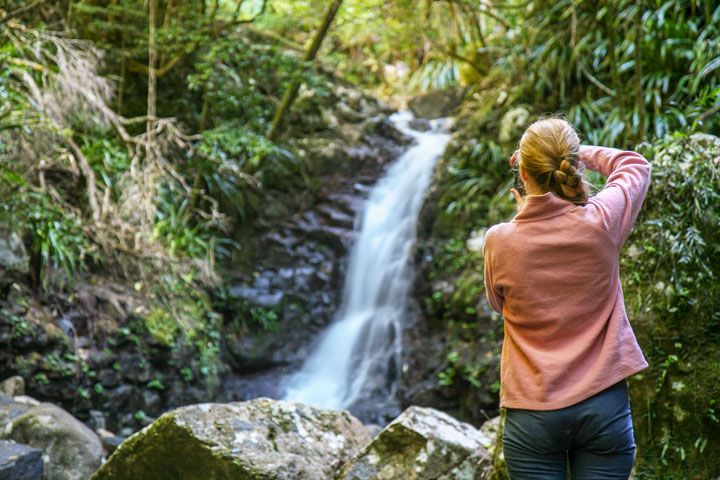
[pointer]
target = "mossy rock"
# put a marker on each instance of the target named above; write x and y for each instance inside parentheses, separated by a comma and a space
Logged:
(72, 450)
(422, 444)
(261, 439)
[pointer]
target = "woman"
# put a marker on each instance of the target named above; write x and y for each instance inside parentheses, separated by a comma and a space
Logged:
(552, 271)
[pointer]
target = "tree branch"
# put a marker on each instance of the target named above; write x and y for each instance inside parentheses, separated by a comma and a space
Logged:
(708, 113)
(594, 80)
(89, 175)
(456, 56)
(21, 10)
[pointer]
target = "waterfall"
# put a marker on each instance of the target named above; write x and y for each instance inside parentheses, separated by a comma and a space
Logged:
(358, 356)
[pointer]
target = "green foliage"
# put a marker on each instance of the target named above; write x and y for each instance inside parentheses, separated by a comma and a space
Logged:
(672, 285)
(581, 58)
(56, 236)
(236, 78)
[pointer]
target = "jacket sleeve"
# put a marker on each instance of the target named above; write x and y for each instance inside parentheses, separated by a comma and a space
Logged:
(619, 202)
(494, 294)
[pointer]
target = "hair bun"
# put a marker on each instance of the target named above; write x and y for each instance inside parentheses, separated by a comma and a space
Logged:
(566, 167)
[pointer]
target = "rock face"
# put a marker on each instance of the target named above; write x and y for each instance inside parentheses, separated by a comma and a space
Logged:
(72, 451)
(437, 104)
(12, 250)
(422, 444)
(258, 439)
(20, 462)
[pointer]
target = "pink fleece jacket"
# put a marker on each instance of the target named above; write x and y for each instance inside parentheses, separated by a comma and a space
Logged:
(553, 272)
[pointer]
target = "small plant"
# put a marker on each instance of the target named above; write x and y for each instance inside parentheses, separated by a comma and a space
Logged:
(41, 378)
(186, 374)
(156, 384)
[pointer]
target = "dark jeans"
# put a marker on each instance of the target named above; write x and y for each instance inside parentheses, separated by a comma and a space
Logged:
(592, 439)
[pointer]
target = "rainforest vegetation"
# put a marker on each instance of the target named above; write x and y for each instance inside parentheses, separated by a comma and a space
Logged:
(141, 141)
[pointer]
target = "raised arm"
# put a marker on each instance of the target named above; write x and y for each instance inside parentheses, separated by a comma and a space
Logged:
(494, 294)
(620, 200)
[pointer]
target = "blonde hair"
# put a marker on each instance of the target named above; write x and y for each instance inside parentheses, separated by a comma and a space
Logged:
(550, 154)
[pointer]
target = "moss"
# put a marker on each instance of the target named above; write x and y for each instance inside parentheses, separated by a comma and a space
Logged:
(498, 470)
(171, 452)
(161, 326)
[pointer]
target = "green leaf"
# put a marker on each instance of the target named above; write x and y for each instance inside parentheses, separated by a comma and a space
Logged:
(710, 67)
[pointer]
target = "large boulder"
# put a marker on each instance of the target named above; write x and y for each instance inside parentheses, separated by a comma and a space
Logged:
(422, 444)
(259, 439)
(438, 103)
(20, 462)
(70, 449)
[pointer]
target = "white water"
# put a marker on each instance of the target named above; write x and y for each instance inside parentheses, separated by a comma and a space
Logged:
(358, 356)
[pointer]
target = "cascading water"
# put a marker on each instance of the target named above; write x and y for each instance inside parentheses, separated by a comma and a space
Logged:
(358, 356)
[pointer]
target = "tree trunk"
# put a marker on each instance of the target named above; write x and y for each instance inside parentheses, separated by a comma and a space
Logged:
(638, 74)
(152, 80)
(310, 53)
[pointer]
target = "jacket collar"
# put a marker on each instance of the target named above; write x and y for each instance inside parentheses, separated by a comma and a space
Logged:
(538, 207)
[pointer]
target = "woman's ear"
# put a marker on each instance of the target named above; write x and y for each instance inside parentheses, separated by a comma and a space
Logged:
(523, 173)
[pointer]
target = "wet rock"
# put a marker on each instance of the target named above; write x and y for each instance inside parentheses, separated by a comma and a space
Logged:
(421, 444)
(73, 451)
(259, 439)
(420, 124)
(12, 387)
(20, 462)
(437, 104)
(382, 126)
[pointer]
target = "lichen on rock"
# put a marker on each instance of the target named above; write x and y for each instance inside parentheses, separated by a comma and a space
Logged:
(421, 444)
(260, 439)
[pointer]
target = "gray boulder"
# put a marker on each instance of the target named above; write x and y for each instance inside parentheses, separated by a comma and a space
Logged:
(437, 104)
(12, 250)
(20, 462)
(260, 439)
(422, 444)
(70, 449)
